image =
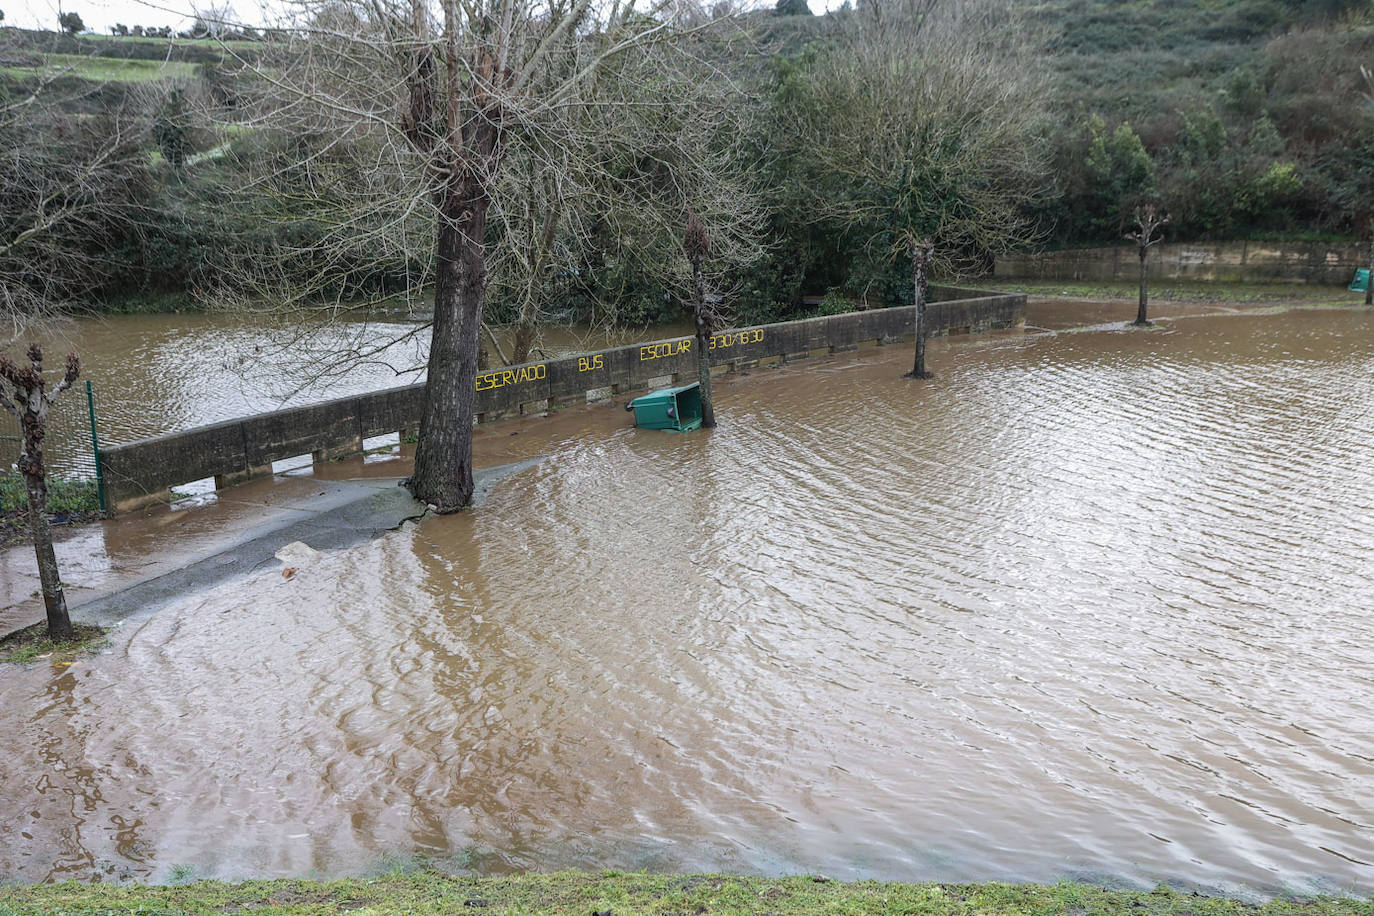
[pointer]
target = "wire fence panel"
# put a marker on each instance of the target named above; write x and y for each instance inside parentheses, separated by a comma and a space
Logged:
(67, 449)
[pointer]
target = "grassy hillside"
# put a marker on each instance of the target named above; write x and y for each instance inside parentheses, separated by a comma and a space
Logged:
(93, 69)
(1249, 115)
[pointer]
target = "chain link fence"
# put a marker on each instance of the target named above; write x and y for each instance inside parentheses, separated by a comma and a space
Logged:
(70, 447)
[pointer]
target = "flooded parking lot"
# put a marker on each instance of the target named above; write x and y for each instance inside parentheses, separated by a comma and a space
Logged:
(1091, 603)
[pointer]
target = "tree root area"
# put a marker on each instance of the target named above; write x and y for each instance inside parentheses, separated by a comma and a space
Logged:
(31, 644)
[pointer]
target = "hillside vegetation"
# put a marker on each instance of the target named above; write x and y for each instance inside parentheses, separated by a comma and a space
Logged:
(1244, 118)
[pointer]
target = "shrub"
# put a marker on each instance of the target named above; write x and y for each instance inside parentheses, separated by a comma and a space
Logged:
(65, 497)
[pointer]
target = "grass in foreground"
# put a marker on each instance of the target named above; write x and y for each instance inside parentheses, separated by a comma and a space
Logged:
(31, 644)
(621, 894)
(1168, 291)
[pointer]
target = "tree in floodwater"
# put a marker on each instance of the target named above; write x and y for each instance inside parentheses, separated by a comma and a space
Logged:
(922, 254)
(24, 393)
(1369, 107)
(912, 131)
(1149, 224)
(1369, 281)
(696, 245)
(397, 121)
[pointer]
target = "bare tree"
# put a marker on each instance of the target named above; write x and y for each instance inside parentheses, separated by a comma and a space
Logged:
(24, 393)
(212, 19)
(1149, 224)
(401, 126)
(68, 186)
(915, 131)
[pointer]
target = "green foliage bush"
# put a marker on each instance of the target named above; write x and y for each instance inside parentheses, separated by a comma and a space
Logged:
(834, 303)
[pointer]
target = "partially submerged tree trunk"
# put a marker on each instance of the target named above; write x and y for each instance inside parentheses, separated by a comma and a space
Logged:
(1140, 317)
(23, 392)
(443, 455)
(696, 245)
(1369, 281)
(462, 139)
(921, 254)
(1148, 221)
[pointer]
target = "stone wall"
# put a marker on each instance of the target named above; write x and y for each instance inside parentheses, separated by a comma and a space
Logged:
(142, 473)
(1250, 262)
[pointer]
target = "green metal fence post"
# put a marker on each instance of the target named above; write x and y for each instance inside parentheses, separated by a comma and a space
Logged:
(95, 448)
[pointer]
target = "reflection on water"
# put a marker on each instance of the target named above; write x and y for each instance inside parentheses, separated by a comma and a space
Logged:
(1089, 604)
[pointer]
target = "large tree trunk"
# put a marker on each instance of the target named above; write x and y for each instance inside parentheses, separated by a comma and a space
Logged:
(526, 329)
(443, 456)
(1140, 319)
(54, 599)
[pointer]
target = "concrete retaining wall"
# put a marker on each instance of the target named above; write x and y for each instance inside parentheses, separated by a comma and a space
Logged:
(142, 473)
(1258, 262)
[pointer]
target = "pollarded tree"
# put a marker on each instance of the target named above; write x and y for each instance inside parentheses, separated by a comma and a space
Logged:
(405, 113)
(1149, 226)
(913, 133)
(24, 393)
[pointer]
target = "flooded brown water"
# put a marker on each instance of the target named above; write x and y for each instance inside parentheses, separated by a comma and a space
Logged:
(1092, 604)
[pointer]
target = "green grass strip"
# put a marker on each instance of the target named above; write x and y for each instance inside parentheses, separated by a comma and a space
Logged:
(615, 893)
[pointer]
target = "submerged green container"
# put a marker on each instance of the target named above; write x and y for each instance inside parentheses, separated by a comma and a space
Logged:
(674, 409)
(1361, 281)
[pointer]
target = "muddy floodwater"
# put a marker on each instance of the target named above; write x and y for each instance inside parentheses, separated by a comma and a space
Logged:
(1095, 604)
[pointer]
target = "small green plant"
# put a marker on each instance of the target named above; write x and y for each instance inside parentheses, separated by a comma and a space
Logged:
(65, 496)
(834, 303)
(181, 874)
(32, 644)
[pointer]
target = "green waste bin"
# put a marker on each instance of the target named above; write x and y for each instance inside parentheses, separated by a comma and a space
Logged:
(674, 409)
(1361, 281)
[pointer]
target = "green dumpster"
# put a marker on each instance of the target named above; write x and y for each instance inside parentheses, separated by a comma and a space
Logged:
(1361, 281)
(674, 409)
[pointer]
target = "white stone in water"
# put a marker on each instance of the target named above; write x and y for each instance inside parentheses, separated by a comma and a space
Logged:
(297, 553)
